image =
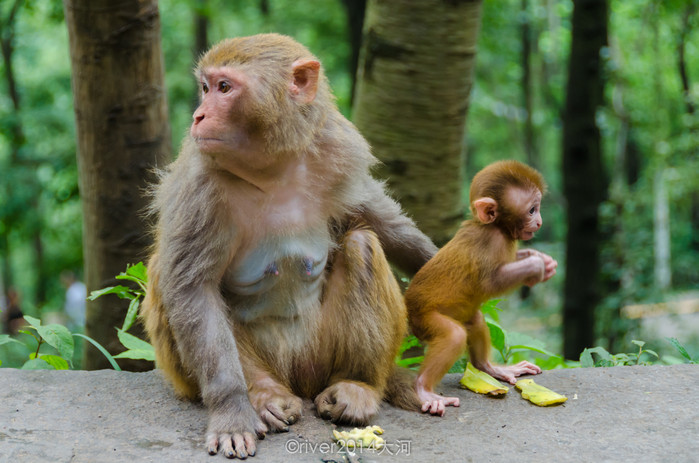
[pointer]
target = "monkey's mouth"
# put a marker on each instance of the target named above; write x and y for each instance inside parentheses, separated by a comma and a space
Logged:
(526, 235)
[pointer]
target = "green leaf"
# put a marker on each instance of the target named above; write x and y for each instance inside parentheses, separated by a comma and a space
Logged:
(58, 337)
(55, 361)
(137, 354)
(101, 349)
(122, 291)
(554, 361)
(491, 308)
(407, 362)
(586, 360)
(33, 322)
(132, 342)
(680, 348)
(138, 274)
(37, 364)
(6, 338)
(651, 352)
(497, 336)
(138, 271)
(638, 343)
(131, 314)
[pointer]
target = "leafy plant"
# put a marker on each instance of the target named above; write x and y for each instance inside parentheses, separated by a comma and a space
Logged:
(681, 349)
(136, 348)
(410, 362)
(510, 345)
(58, 337)
(605, 359)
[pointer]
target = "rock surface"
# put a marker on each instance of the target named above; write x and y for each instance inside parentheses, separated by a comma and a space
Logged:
(622, 414)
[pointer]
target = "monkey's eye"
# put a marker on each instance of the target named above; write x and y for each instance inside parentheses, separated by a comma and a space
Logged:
(532, 210)
(204, 88)
(224, 87)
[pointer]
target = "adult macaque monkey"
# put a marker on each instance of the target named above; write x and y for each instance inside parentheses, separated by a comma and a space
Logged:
(268, 281)
(480, 262)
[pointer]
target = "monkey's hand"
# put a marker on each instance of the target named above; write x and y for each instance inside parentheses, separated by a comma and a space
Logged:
(277, 407)
(537, 268)
(550, 265)
(234, 428)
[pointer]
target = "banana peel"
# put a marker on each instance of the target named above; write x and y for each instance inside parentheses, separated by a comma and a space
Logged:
(539, 395)
(365, 438)
(481, 382)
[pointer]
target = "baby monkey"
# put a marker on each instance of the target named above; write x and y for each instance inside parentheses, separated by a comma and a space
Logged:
(479, 263)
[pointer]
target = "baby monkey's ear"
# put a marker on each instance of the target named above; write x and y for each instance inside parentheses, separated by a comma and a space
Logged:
(486, 209)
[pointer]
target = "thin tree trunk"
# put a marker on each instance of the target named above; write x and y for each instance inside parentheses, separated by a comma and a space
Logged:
(529, 136)
(681, 60)
(201, 29)
(201, 40)
(584, 179)
(413, 88)
(7, 37)
(355, 10)
(6, 269)
(7, 45)
(123, 133)
(661, 231)
(41, 277)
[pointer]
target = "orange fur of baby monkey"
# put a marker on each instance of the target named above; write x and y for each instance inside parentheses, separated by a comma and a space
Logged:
(479, 263)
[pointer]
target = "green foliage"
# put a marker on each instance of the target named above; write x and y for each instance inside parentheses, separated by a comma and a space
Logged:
(61, 339)
(682, 350)
(57, 337)
(414, 362)
(136, 348)
(512, 347)
(605, 359)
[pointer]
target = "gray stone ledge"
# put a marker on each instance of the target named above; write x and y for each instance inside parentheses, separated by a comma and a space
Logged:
(622, 414)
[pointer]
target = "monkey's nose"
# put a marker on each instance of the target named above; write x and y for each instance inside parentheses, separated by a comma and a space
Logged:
(198, 118)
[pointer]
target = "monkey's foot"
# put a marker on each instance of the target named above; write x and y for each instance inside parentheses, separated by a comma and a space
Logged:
(277, 407)
(351, 402)
(233, 430)
(435, 403)
(510, 372)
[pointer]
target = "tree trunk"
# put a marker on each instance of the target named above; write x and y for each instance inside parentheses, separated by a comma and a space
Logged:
(355, 10)
(661, 231)
(123, 133)
(413, 86)
(584, 179)
(529, 135)
(201, 29)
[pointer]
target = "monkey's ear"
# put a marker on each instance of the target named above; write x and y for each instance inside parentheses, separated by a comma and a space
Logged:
(486, 209)
(305, 80)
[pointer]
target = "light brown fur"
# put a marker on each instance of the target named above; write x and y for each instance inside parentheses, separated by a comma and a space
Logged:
(269, 281)
(480, 262)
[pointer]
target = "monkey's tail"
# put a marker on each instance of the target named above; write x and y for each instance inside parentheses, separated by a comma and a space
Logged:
(400, 390)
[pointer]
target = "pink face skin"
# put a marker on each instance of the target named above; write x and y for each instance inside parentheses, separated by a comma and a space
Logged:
(218, 127)
(529, 203)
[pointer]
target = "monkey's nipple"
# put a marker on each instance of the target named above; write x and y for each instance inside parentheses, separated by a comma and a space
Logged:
(272, 269)
(308, 265)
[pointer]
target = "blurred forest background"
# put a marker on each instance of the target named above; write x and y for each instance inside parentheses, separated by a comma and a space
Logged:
(646, 282)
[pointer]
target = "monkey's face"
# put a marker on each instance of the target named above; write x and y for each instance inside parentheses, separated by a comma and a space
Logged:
(225, 125)
(214, 127)
(524, 206)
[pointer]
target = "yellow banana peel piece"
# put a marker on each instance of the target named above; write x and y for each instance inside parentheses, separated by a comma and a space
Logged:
(365, 438)
(539, 395)
(481, 382)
